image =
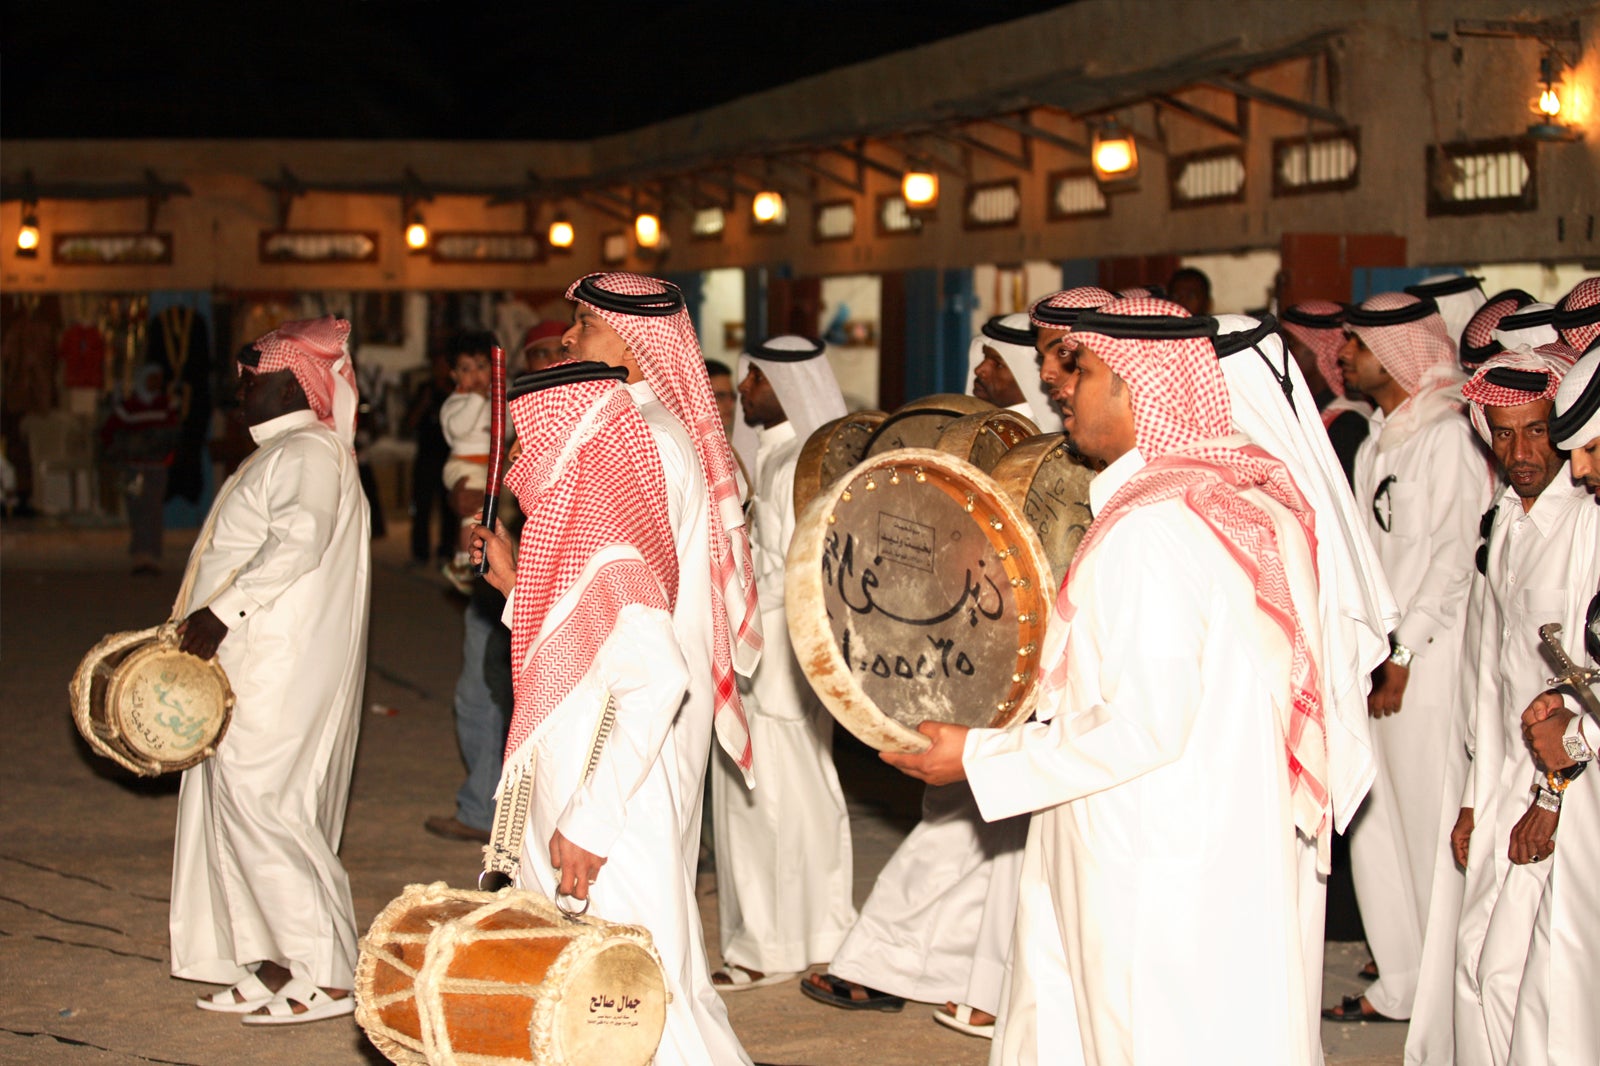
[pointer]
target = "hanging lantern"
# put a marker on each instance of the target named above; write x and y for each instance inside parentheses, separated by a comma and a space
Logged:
(1114, 153)
(920, 189)
(417, 234)
(647, 229)
(561, 233)
(28, 235)
(767, 207)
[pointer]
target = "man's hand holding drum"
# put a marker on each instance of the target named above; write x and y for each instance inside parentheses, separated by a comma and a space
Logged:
(579, 868)
(941, 763)
(201, 633)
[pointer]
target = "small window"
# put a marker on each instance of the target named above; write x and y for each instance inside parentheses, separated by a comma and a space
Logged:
(112, 249)
(1075, 194)
(1482, 177)
(835, 220)
(318, 246)
(708, 224)
(1321, 162)
(1212, 176)
(993, 205)
(895, 218)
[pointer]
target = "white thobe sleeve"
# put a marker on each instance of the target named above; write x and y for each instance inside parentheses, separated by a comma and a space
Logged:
(1480, 688)
(641, 665)
(299, 502)
(1143, 621)
(1458, 482)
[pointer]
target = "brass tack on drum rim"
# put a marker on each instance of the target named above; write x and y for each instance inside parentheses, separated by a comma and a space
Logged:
(1017, 679)
(1024, 618)
(871, 485)
(1027, 649)
(997, 524)
(832, 518)
(920, 475)
(970, 503)
(894, 477)
(845, 496)
(1019, 582)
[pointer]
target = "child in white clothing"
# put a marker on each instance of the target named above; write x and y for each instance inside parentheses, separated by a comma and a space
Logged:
(465, 420)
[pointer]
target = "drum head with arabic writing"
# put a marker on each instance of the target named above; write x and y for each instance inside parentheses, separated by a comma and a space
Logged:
(917, 592)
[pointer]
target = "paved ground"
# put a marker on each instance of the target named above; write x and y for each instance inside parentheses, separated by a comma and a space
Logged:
(85, 850)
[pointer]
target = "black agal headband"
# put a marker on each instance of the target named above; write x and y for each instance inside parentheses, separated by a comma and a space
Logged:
(1362, 316)
(650, 304)
(1146, 327)
(1432, 290)
(788, 355)
(563, 374)
(995, 330)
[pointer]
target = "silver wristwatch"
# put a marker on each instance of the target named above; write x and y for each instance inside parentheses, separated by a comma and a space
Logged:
(1578, 749)
(1399, 654)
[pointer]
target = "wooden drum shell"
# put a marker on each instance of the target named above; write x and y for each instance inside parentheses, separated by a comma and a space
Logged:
(454, 978)
(831, 450)
(149, 707)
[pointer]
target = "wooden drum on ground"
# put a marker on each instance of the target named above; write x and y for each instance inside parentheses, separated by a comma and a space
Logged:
(1049, 483)
(919, 423)
(149, 707)
(450, 977)
(916, 591)
(982, 439)
(830, 451)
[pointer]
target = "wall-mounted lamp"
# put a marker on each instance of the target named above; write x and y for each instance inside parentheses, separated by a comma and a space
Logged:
(1548, 106)
(417, 233)
(768, 207)
(1114, 154)
(28, 235)
(647, 229)
(920, 189)
(561, 234)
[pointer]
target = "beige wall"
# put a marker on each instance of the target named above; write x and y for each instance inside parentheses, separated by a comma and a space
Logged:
(1403, 88)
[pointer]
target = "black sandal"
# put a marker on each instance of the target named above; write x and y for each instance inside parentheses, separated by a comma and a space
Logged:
(1349, 1010)
(839, 994)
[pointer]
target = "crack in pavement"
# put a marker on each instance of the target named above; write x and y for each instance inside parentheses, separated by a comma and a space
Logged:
(83, 944)
(74, 1042)
(61, 918)
(80, 877)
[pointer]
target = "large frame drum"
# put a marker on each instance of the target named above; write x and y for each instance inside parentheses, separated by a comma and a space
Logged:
(916, 591)
(147, 706)
(450, 977)
(831, 450)
(1049, 483)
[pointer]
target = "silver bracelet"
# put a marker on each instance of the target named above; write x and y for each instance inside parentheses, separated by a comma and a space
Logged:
(1399, 654)
(1548, 801)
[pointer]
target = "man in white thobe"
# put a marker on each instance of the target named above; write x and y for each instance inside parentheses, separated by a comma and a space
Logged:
(937, 925)
(641, 325)
(1556, 1021)
(595, 585)
(1274, 406)
(1422, 480)
(1179, 754)
(784, 880)
(281, 577)
(1542, 555)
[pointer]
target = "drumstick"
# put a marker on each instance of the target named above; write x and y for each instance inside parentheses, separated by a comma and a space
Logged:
(497, 445)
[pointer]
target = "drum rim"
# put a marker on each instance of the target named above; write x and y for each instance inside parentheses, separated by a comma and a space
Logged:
(812, 636)
(948, 403)
(968, 428)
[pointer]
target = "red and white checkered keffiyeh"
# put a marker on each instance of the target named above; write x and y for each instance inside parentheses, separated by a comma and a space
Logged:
(317, 350)
(1180, 409)
(1584, 295)
(1478, 342)
(1324, 343)
(596, 540)
(1409, 351)
(668, 354)
(1482, 390)
(1082, 298)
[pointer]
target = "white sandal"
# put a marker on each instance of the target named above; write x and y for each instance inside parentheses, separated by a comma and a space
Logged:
(739, 979)
(254, 992)
(961, 1021)
(317, 1003)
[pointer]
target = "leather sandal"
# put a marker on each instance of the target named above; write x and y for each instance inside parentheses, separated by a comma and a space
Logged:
(847, 995)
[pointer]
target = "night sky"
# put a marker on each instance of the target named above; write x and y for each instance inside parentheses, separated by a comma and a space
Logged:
(461, 71)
